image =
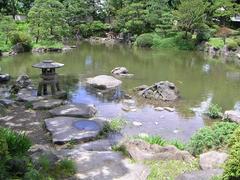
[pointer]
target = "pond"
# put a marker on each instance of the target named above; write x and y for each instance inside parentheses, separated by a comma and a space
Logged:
(200, 81)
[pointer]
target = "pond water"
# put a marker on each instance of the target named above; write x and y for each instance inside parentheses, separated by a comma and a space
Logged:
(199, 80)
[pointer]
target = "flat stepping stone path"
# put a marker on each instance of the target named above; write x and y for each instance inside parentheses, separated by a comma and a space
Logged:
(47, 104)
(105, 165)
(72, 110)
(64, 129)
(26, 95)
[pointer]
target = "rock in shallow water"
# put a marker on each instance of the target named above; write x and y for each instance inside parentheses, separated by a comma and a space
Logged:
(74, 110)
(64, 129)
(121, 72)
(162, 90)
(103, 82)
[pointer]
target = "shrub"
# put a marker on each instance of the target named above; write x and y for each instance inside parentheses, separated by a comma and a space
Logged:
(153, 140)
(203, 33)
(18, 143)
(232, 165)
(216, 42)
(21, 38)
(144, 40)
(214, 137)
(33, 174)
(232, 45)
(214, 111)
(17, 166)
(178, 144)
(115, 125)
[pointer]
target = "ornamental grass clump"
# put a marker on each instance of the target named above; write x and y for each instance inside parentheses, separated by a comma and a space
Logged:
(215, 137)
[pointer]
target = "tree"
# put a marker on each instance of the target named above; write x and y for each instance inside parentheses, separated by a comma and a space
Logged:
(7, 25)
(189, 14)
(77, 12)
(225, 9)
(46, 19)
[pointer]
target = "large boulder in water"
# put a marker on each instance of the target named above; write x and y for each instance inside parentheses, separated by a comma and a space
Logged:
(104, 86)
(121, 72)
(103, 82)
(163, 90)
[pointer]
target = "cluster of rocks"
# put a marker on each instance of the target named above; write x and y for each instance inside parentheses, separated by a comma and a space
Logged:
(121, 72)
(219, 52)
(163, 90)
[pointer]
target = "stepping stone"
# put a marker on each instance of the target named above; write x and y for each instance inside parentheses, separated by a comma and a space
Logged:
(47, 104)
(26, 95)
(105, 165)
(64, 129)
(72, 110)
(7, 102)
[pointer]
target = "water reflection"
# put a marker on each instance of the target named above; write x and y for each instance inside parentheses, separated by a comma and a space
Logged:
(199, 82)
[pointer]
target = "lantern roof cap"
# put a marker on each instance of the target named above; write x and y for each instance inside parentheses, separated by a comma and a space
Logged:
(48, 64)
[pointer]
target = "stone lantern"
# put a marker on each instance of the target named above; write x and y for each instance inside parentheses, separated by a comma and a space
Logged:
(49, 77)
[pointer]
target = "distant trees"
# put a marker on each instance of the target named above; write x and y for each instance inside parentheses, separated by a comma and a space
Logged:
(7, 26)
(189, 14)
(46, 19)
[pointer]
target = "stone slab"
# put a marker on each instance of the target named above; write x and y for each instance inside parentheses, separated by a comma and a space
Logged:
(47, 104)
(64, 129)
(105, 165)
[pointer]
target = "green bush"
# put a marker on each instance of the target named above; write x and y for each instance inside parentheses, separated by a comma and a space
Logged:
(214, 111)
(214, 137)
(232, 45)
(203, 33)
(18, 143)
(23, 38)
(114, 126)
(144, 40)
(232, 165)
(33, 174)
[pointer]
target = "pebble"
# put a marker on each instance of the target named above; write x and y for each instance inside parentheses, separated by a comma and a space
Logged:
(159, 109)
(136, 123)
(169, 109)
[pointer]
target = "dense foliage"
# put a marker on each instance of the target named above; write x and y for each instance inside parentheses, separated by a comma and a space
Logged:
(57, 20)
(15, 163)
(214, 137)
(232, 166)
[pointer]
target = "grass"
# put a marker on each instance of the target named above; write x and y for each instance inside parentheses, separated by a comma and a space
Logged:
(122, 149)
(216, 42)
(162, 142)
(114, 126)
(169, 170)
